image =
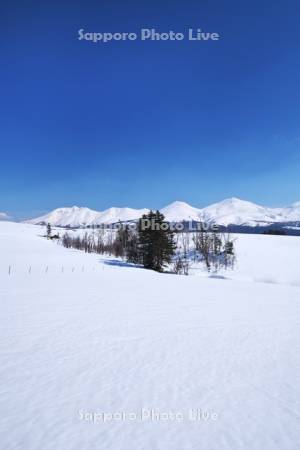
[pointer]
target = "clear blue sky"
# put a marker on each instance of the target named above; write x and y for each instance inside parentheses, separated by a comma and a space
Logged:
(141, 124)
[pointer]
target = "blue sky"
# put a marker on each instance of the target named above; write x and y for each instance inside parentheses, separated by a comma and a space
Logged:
(142, 124)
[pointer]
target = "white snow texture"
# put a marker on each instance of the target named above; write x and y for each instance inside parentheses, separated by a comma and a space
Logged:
(83, 334)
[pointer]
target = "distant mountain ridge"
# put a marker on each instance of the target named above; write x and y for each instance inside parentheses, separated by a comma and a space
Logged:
(81, 216)
(232, 211)
(4, 216)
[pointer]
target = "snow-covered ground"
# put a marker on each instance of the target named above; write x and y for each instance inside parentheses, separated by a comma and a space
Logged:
(83, 335)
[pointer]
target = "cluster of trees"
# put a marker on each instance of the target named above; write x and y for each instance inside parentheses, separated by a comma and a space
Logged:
(153, 245)
(275, 232)
(89, 243)
(216, 249)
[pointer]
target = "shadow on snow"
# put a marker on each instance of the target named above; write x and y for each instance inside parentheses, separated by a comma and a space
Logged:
(120, 263)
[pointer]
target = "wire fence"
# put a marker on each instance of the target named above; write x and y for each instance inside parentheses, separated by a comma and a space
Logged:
(31, 270)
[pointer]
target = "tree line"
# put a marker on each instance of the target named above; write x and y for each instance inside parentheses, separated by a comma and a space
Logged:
(153, 245)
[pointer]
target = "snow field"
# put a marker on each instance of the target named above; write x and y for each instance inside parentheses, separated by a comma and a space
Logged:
(126, 340)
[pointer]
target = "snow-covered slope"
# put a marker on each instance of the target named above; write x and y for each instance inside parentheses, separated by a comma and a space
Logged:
(72, 217)
(292, 213)
(179, 211)
(113, 215)
(232, 211)
(76, 216)
(158, 361)
(4, 216)
(240, 212)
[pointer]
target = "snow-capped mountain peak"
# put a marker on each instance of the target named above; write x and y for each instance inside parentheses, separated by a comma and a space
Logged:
(76, 216)
(179, 211)
(295, 205)
(114, 215)
(70, 216)
(234, 211)
(231, 211)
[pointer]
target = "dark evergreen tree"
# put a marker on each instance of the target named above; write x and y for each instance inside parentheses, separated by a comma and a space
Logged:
(155, 241)
(49, 231)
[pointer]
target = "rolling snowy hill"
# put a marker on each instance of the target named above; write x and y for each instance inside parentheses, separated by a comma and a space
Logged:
(82, 335)
(232, 211)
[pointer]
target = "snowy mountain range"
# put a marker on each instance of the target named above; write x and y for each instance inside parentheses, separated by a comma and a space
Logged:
(4, 216)
(77, 217)
(232, 211)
